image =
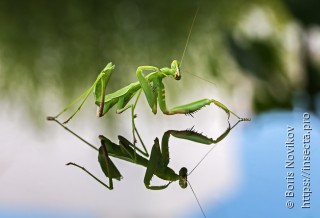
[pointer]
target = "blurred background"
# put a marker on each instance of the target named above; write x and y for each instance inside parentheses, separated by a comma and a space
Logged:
(262, 59)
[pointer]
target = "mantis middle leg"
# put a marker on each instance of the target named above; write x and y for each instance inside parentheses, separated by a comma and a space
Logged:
(121, 108)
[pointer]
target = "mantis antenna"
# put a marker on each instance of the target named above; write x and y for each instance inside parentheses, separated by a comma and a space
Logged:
(198, 165)
(202, 159)
(210, 151)
(196, 199)
(186, 45)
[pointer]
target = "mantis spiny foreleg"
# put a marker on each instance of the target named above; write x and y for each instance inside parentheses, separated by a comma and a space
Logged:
(191, 107)
(155, 164)
(159, 159)
(147, 89)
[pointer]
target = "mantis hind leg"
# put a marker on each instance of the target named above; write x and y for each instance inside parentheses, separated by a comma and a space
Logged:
(110, 186)
(107, 166)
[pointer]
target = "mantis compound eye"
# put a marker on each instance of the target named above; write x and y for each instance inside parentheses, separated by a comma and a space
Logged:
(183, 172)
(184, 177)
(176, 69)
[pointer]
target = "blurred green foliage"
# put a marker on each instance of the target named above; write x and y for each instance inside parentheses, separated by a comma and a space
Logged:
(59, 47)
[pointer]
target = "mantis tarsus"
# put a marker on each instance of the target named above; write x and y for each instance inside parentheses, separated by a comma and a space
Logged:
(156, 165)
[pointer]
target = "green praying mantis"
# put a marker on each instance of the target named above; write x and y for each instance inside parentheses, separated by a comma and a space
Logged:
(153, 88)
(156, 165)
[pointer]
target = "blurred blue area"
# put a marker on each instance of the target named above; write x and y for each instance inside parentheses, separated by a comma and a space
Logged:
(10, 212)
(264, 154)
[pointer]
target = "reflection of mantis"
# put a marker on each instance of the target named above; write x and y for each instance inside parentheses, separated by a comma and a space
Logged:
(156, 165)
(151, 85)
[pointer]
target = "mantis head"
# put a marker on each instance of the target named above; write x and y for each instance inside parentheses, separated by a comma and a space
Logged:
(183, 181)
(176, 69)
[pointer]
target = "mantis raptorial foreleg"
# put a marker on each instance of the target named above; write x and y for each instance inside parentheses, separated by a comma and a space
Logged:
(159, 159)
(188, 108)
(155, 164)
(147, 89)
